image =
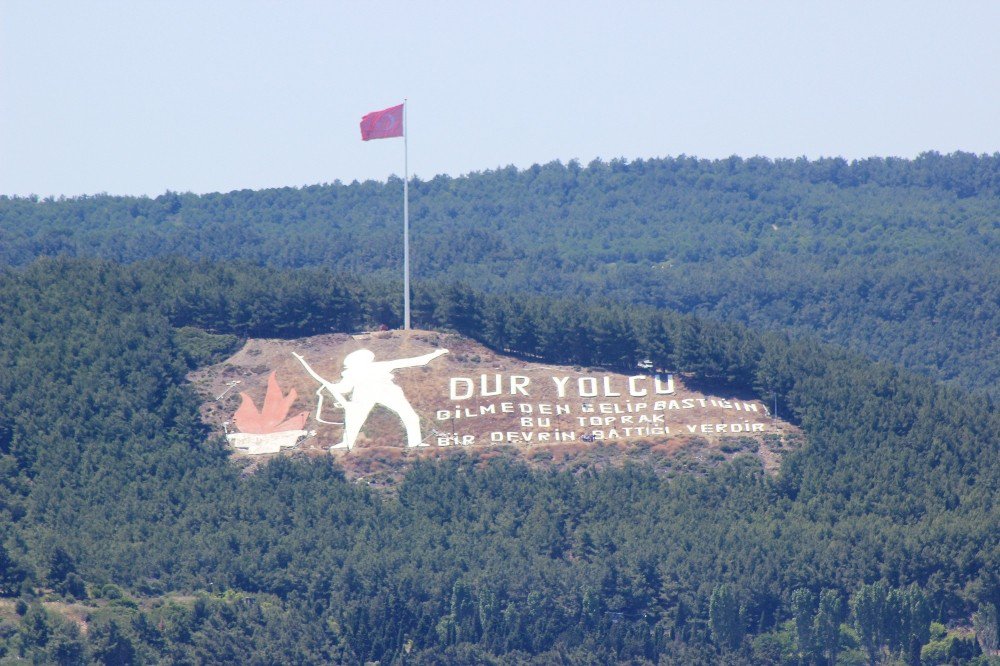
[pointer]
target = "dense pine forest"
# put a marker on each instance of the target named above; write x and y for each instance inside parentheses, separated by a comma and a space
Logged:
(862, 297)
(894, 258)
(878, 542)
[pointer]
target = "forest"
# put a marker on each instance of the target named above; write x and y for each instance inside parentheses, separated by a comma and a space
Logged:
(878, 541)
(893, 258)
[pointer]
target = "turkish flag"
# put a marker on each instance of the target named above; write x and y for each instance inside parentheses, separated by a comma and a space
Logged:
(383, 124)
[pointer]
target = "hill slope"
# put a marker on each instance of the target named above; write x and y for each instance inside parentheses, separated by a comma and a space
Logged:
(494, 405)
(109, 479)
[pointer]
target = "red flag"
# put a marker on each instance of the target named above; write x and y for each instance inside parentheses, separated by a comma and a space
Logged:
(383, 124)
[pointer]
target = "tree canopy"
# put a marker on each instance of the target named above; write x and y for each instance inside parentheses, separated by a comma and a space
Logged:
(895, 258)
(113, 492)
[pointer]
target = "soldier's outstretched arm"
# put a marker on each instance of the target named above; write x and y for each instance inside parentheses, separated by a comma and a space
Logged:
(416, 360)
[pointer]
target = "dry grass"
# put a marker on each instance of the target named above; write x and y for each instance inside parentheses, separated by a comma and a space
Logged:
(379, 457)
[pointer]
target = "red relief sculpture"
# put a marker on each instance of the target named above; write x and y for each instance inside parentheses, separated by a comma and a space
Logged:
(272, 417)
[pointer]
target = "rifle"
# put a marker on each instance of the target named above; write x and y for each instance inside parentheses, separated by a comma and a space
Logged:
(324, 384)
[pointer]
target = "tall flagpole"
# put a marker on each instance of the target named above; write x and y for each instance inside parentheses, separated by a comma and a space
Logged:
(406, 225)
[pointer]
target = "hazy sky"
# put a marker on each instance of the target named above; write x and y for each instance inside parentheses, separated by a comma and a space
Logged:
(139, 97)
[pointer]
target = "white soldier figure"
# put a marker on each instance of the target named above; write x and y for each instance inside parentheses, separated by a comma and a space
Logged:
(371, 383)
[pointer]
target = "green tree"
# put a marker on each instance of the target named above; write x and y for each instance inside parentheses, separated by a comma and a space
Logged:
(987, 627)
(11, 574)
(918, 623)
(724, 618)
(804, 613)
(869, 607)
(34, 631)
(827, 626)
(65, 646)
(110, 645)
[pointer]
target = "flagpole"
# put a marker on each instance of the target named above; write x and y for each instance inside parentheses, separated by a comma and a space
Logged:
(406, 225)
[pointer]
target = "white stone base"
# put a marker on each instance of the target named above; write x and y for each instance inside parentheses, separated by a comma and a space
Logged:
(270, 443)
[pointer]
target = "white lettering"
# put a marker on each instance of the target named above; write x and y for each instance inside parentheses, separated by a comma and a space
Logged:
(560, 383)
(453, 388)
(660, 388)
(519, 384)
(484, 391)
(634, 390)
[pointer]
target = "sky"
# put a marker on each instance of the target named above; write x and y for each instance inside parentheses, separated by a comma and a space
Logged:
(138, 97)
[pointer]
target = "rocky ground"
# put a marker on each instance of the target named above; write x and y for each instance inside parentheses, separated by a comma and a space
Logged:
(577, 417)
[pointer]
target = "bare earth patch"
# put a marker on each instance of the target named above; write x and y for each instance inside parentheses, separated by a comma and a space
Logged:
(577, 418)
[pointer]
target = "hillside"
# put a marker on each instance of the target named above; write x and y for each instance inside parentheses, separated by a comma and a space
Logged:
(121, 511)
(548, 416)
(890, 257)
